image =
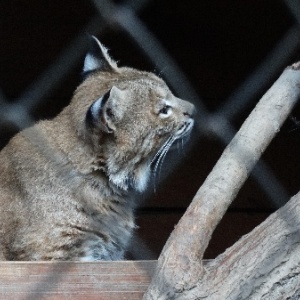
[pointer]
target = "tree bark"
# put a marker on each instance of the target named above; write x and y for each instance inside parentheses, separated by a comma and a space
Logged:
(241, 271)
(265, 264)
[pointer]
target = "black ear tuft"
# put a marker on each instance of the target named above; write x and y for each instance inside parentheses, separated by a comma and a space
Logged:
(97, 59)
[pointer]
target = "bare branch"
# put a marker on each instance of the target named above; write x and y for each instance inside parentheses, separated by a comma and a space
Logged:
(265, 264)
(180, 264)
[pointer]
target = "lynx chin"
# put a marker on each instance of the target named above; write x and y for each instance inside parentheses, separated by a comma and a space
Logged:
(67, 185)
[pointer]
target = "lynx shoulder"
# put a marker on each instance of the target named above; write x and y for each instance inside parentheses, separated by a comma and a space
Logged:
(67, 185)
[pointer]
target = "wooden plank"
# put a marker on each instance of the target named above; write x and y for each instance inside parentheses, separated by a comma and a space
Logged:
(75, 280)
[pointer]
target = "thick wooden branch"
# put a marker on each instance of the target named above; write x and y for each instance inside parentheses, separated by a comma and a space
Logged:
(180, 266)
(265, 264)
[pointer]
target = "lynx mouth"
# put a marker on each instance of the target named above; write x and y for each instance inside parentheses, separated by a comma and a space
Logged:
(182, 132)
(184, 129)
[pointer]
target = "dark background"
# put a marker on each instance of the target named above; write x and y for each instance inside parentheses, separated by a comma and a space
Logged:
(217, 44)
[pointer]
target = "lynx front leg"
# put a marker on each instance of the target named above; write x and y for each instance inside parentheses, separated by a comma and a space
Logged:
(2, 257)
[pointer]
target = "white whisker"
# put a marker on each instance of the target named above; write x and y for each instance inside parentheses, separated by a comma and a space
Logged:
(164, 151)
(159, 151)
(163, 157)
(159, 158)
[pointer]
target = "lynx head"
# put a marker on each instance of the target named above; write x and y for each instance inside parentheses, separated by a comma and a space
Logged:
(129, 118)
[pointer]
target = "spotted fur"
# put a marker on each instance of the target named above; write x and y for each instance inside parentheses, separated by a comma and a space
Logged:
(67, 185)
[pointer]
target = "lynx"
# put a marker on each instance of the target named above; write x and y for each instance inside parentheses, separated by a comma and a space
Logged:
(68, 186)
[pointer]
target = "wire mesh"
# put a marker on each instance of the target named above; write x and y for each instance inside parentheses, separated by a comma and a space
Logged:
(219, 123)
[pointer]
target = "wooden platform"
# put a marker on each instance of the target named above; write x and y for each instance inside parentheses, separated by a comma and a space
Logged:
(126, 280)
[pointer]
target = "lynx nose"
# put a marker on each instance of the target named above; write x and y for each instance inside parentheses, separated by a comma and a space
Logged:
(188, 114)
(190, 111)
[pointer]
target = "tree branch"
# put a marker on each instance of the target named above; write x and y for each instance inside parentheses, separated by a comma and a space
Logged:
(180, 266)
(264, 264)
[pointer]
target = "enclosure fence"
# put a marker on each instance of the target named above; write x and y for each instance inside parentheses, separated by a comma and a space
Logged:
(217, 123)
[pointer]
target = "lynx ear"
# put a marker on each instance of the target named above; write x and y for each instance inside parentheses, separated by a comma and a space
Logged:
(97, 58)
(106, 111)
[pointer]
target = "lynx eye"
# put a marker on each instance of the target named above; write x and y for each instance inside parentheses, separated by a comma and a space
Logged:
(165, 110)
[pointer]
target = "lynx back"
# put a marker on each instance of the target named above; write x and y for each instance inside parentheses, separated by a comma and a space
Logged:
(67, 185)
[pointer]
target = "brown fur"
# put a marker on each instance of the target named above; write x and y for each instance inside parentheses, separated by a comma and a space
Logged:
(66, 185)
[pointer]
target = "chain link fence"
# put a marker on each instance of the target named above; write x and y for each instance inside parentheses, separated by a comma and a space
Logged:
(219, 123)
